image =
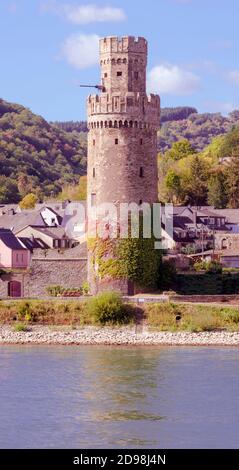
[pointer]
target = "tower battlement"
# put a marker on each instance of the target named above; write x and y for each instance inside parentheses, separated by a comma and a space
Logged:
(125, 44)
(131, 106)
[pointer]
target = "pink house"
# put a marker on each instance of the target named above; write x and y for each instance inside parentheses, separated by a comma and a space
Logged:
(13, 253)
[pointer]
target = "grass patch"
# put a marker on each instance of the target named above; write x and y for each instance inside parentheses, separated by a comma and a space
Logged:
(190, 317)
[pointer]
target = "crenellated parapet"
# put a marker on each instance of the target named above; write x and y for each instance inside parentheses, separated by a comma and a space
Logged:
(133, 106)
(114, 44)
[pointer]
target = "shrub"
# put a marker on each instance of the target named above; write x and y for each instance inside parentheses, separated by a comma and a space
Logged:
(108, 307)
(54, 291)
(24, 311)
(167, 275)
(20, 327)
(214, 267)
(85, 288)
(200, 266)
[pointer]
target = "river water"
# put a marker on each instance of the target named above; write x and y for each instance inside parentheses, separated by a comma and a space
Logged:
(119, 397)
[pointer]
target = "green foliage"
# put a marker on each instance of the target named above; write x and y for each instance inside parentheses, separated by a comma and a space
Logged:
(167, 275)
(217, 191)
(85, 288)
(77, 192)
(8, 189)
(29, 201)
(134, 259)
(199, 129)
(214, 267)
(197, 185)
(200, 266)
(46, 156)
(106, 308)
(20, 327)
(54, 291)
(233, 179)
(180, 149)
(193, 318)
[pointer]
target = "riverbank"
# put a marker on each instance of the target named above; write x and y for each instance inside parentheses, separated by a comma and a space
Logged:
(114, 336)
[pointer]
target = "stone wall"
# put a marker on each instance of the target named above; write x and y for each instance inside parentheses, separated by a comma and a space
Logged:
(68, 273)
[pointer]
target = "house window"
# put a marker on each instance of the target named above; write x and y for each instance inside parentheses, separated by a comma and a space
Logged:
(22, 258)
(116, 141)
(93, 172)
(141, 172)
(119, 74)
(93, 199)
(17, 257)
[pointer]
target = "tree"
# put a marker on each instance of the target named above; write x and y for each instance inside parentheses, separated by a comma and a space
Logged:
(29, 201)
(197, 184)
(180, 149)
(75, 192)
(8, 191)
(217, 195)
(233, 179)
(173, 185)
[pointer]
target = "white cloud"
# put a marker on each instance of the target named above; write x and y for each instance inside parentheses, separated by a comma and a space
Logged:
(81, 50)
(172, 80)
(85, 14)
(234, 77)
(220, 106)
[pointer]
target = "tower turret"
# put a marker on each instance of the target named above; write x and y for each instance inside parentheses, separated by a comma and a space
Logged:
(123, 122)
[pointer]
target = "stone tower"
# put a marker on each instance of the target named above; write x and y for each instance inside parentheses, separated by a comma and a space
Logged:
(123, 122)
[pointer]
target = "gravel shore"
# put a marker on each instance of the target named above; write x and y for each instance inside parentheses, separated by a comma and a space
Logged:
(113, 336)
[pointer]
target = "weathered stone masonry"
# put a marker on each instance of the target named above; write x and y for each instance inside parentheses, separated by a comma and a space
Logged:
(122, 140)
(123, 123)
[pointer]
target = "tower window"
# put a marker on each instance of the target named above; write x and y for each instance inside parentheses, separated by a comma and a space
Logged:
(136, 75)
(93, 172)
(106, 75)
(119, 74)
(116, 141)
(130, 101)
(141, 172)
(140, 202)
(141, 141)
(93, 199)
(94, 142)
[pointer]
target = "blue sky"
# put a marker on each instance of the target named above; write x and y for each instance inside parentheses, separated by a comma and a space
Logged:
(48, 46)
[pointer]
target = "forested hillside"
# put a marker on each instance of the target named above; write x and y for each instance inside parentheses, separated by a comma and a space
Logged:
(199, 129)
(36, 156)
(47, 159)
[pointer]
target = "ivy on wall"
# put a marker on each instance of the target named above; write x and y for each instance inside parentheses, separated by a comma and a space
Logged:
(134, 259)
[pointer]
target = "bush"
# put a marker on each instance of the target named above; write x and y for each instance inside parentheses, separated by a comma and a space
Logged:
(54, 291)
(85, 288)
(24, 311)
(200, 266)
(214, 267)
(108, 308)
(20, 327)
(167, 275)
